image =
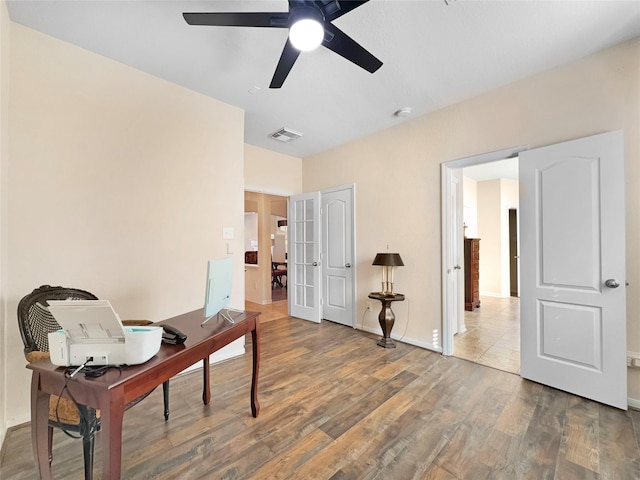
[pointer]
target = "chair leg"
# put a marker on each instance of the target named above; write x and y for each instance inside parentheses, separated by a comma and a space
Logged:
(50, 444)
(87, 446)
(165, 393)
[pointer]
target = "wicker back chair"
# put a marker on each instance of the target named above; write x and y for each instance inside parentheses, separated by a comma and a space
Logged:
(36, 322)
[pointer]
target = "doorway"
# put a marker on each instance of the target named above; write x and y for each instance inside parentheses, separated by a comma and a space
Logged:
(479, 327)
(266, 247)
(572, 311)
(492, 322)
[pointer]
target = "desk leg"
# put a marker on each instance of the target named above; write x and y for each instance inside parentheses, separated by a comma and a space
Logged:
(112, 413)
(206, 383)
(40, 427)
(255, 341)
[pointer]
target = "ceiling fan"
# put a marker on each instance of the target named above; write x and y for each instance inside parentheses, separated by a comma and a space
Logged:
(309, 24)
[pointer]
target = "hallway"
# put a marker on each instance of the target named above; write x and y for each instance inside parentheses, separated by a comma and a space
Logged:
(272, 311)
(493, 334)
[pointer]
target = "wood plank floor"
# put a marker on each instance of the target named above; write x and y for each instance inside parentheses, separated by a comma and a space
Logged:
(336, 406)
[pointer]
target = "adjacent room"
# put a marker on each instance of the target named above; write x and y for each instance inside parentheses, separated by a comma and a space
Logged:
(342, 293)
(491, 334)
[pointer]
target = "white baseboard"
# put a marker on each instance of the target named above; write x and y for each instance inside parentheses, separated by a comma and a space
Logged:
(634, 403)
(19, 420)
(402, 339)
(258, 301)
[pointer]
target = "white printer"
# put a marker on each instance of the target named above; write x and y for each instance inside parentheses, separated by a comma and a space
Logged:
(91, 328)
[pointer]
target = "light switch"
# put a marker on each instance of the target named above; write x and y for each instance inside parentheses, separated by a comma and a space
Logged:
(227, 233)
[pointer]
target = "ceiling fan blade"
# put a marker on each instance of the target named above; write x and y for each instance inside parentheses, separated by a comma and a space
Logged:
(342, 44)
(287, 59)
(345, 7)
(239, 19)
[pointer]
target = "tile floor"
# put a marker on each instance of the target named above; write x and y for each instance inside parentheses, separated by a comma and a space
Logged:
(493, 334)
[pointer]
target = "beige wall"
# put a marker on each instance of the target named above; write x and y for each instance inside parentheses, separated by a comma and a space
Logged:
(271, 172)
(5, 26)
(397, 174)
(495, 198)
(120, 183)
(470, 209)
(489, 232)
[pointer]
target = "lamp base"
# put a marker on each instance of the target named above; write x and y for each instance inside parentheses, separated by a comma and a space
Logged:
(387, 289)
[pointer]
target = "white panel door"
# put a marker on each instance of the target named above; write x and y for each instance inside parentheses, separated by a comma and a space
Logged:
(337, 256)
(303, 263)
(573, 313)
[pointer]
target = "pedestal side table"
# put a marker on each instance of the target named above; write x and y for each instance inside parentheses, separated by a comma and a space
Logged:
(386, 316)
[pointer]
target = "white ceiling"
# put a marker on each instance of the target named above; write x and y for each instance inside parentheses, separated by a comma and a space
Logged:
(435, 53)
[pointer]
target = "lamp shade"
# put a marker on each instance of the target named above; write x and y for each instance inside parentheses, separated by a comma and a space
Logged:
(388, 260)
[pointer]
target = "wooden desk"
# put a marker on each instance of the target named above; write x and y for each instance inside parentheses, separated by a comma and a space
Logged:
(112, 391)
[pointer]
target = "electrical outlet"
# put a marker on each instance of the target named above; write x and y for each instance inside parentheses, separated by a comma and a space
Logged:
(633, 359)
(227, 233)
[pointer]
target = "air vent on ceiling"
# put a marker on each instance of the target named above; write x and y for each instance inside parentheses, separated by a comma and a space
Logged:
(285, 135)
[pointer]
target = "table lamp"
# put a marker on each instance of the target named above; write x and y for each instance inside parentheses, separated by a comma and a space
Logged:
(387, 261)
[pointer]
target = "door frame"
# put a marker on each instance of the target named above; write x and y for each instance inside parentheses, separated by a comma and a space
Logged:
(453, 258)
(449, 324)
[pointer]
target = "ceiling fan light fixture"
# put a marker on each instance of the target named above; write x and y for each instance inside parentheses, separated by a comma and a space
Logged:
(306, 34)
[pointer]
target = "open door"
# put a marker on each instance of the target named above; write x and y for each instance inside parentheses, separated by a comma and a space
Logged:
(303, 269)
(573, 311)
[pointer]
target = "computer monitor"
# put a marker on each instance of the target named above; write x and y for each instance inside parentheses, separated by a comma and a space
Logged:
(218, 290)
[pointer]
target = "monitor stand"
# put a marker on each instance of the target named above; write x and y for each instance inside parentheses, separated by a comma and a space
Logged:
(224, 313)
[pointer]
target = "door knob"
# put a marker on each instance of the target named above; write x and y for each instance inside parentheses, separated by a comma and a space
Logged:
(457, 267)
(315, 264)
(348, 265)
(612, 283)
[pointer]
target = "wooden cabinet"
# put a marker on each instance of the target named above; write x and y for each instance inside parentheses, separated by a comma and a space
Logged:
(471, 273)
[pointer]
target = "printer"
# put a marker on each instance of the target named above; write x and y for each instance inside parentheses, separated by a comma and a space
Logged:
(92, 329)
